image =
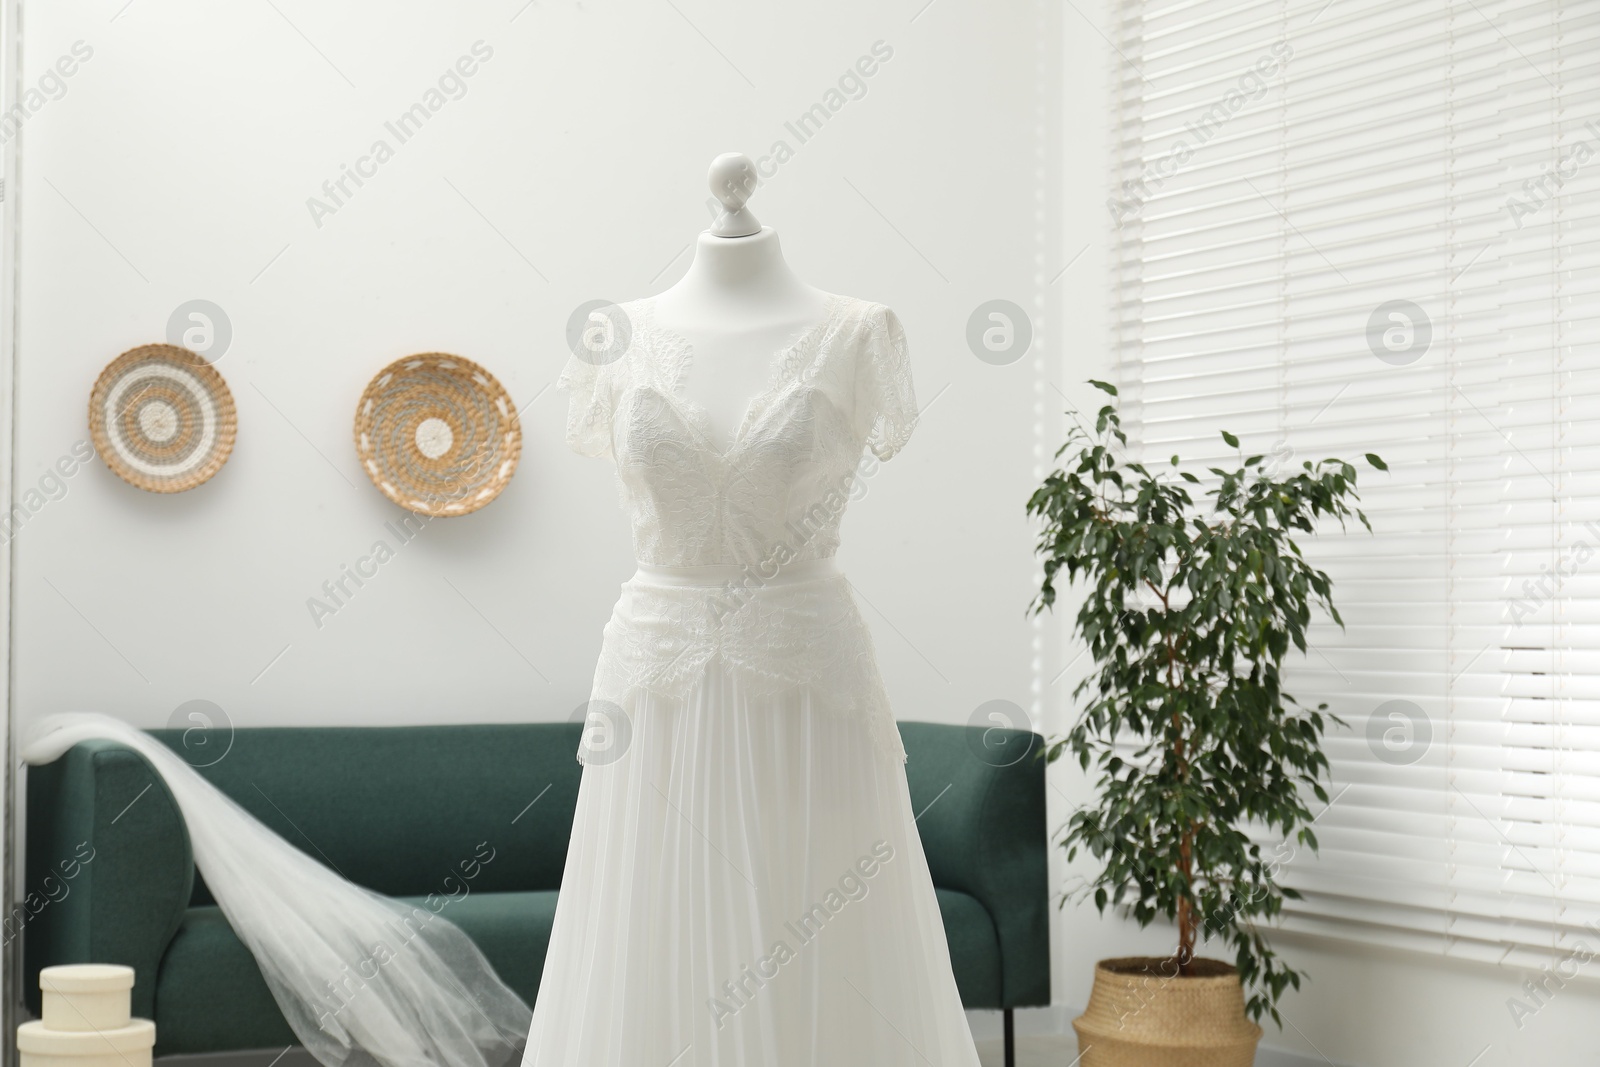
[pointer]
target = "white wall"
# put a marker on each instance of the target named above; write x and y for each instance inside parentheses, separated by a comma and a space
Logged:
(178, 165)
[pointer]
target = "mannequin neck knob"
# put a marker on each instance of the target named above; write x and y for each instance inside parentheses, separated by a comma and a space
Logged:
(733, 181)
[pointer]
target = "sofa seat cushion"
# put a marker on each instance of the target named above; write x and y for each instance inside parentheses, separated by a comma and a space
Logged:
(220, 1001)
(974, 948)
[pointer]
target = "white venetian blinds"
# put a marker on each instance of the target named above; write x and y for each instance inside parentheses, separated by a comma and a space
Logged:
(1350, 226)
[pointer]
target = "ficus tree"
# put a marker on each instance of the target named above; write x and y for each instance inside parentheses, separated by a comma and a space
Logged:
(1190, 607)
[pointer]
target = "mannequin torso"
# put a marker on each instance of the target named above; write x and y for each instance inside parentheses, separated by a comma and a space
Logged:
(737, 306)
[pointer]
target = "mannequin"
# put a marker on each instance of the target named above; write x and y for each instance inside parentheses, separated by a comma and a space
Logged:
(764, 754)
(738, 304)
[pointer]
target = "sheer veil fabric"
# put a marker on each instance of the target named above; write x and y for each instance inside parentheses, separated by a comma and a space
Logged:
(360, 977)
(745, 884)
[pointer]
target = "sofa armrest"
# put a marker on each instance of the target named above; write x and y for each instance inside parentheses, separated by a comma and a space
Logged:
(983, 830)
(109, 867)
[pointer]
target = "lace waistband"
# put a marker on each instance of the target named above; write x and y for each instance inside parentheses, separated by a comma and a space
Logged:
(717, 575)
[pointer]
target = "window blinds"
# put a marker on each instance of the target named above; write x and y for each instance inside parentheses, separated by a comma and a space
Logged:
(1350, 226)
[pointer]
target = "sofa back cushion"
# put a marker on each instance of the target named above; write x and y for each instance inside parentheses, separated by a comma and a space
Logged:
(407, 810)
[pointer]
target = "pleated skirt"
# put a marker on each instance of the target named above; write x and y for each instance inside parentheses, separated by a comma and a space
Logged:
(745, 887)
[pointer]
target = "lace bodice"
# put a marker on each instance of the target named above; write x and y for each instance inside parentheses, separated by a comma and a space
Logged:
(779, 490)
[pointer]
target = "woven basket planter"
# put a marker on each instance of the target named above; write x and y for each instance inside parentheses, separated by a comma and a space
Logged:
(1140, 1016)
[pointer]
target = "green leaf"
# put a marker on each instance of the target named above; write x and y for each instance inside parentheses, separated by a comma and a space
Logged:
(1104, 387)
(1233, 442)
(1377, 462)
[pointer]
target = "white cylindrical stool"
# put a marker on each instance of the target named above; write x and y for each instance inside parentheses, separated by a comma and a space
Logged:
(87, 1020)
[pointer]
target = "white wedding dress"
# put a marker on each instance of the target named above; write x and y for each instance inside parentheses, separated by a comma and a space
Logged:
(745, 886)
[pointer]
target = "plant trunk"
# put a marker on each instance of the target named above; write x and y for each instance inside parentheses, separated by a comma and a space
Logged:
(1187, 920)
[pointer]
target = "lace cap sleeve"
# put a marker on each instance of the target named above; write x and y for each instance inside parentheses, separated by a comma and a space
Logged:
(593, 378)
(591, 402)
(885, 397)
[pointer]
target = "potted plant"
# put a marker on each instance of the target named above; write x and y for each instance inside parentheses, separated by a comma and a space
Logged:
(1191, 607)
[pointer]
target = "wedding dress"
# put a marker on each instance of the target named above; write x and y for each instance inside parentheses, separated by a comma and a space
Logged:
(744, 884)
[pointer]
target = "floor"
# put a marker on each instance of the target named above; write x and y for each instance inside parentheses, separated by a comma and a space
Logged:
(1036, 1050)
(1032, 1051)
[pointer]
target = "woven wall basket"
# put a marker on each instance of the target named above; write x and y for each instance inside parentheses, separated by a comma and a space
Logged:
(1139, 1017)
(162, 418)
(437, 434)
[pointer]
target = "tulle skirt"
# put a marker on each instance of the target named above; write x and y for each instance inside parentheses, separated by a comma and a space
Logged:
(745, 887)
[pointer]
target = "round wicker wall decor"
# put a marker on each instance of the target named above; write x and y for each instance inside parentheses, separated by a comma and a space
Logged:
(162, 418)
(437, 434)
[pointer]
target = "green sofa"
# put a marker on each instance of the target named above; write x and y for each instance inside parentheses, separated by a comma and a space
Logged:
(398, 809)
